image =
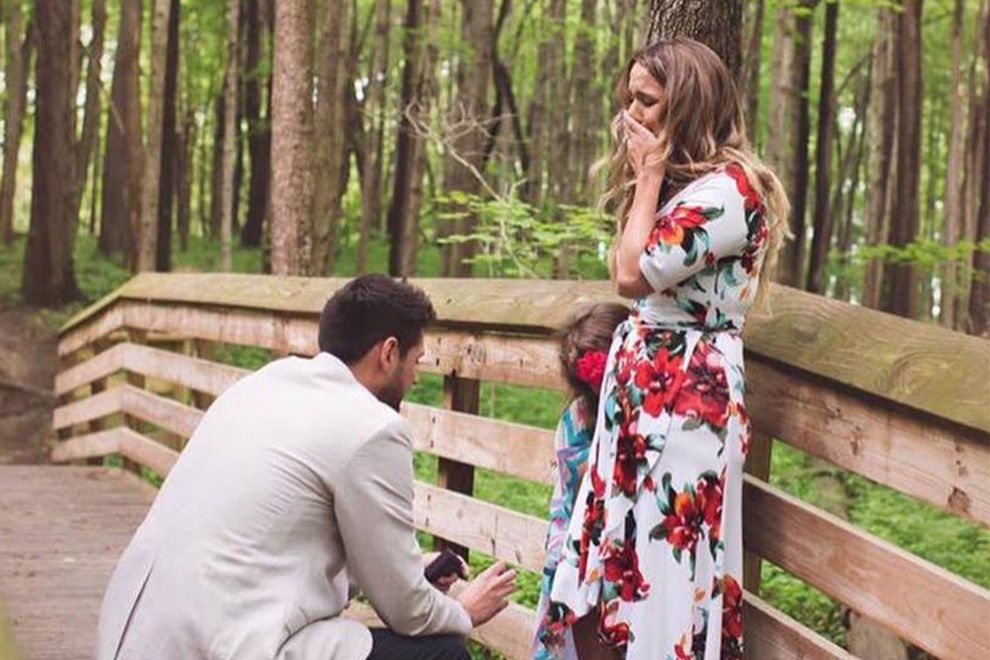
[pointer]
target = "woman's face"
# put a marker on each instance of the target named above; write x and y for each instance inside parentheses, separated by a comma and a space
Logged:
(645, 98)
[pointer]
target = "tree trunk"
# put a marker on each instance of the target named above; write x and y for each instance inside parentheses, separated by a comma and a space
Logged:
(754, 60)
(229, 133)
(371, 184)
(330, 147)
(216, 169)
(18, 53)
(823, 218)
(538, 124)
(183, 168)
(292, 136)
(883, 120)
(585, 104)
(122, 155)
(151, 169)
(845, 202)
(91, 115)
(715, 23)
(979, 300)
(420, 52)
(901, 290)
(467, 117)
(954, 170)
(787, 144)
(170, 145)
(259, 133)
(46, 279)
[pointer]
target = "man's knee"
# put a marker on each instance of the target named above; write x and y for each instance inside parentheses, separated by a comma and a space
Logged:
(453, 648)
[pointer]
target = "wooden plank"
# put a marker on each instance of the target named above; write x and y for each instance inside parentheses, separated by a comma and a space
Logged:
(100, 443)
(921, 365)
(163, 412)
(100, 325)
(926, 605)
(63, 529)
(758, 465)
(101, 365)
(497, 358)
(497, 531)
(459, 394)
(514, 449)
(145, 451)
(941, 463)
(84, 410)
(928, 368)
(772, 635)
(183, 370)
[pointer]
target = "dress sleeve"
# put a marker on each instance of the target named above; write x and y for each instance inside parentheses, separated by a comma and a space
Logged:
(708, 224)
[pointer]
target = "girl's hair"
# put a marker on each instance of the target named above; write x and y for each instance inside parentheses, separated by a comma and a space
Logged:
(589, 330)
(705, 129)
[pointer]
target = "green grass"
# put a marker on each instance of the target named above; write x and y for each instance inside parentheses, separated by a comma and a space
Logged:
(934, 535)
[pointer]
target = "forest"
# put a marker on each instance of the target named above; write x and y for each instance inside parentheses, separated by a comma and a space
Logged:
(431, 138)
(458, 138)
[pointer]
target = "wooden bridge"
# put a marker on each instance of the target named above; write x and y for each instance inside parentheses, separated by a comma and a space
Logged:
(904, 404)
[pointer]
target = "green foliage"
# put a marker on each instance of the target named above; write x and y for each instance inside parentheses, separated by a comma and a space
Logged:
(516, 239)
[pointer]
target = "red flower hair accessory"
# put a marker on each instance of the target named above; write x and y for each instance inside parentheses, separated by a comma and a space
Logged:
(591, 368)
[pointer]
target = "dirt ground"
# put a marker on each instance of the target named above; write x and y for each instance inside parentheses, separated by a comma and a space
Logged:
(27, 372)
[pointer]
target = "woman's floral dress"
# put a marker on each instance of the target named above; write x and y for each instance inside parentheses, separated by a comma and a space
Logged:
(655, 541)
(571, 442)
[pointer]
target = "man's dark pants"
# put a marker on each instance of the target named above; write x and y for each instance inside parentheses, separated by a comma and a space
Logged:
(387, 645)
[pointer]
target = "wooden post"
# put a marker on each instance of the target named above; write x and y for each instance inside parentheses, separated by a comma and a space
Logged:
(461, 394)
(206, 351)
(137, 380)
(758, 465)
(97, 386)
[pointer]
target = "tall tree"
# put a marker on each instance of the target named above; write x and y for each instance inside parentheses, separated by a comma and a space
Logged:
(259, 131)
(122, 155)
(227, 189)
(754, 58)
(954, 168)
(901, 281)
(979, 300)
(419, 52)
(823, 217)
(883, 120)
(371, 180)
(48, 277)
(292, 136)
(329, 144)
(787, 143)
(538, 116)
(147, 232)
(716, 23)
(170, 145)
(87, 141)
(18, 48)
(466, 118)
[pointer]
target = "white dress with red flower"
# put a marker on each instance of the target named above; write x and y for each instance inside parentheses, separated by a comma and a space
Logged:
(655, 541)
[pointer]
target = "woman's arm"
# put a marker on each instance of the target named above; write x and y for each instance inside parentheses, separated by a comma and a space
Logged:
(645, 155)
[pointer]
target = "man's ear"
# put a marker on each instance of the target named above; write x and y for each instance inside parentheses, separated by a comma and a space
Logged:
(388, 357)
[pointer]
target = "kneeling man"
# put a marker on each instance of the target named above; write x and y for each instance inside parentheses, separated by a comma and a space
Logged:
(296, 486)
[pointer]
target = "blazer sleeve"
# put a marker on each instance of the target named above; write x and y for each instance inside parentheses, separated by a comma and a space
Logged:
(373, 504)
(708, 224)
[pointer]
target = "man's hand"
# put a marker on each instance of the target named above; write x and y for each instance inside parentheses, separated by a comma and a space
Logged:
(444, 583)
(487, 594)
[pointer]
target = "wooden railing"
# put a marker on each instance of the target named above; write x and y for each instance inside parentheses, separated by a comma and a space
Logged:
(906, 405)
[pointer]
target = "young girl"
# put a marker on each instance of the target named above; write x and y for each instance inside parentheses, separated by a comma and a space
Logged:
(584, 345)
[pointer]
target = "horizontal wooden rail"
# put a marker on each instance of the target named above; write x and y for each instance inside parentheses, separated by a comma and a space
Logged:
(940, 463)
(926, 605)
(770, 634)
(943, 464)
(918, 365)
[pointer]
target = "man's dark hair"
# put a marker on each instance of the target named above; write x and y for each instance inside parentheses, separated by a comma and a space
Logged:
(372, 308)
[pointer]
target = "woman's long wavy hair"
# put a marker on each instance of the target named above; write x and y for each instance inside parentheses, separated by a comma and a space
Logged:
(703, 122)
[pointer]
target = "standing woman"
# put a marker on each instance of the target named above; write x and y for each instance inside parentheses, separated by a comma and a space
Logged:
(654, 548)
